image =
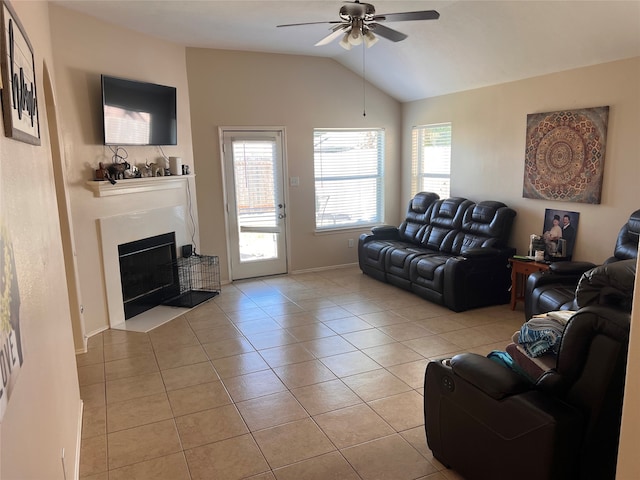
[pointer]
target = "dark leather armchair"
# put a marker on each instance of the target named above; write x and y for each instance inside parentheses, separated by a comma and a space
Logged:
(556, 288)
(486, 421)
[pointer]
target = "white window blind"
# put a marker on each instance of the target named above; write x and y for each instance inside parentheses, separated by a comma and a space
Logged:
(431, 159)
(253, 168)
(348, 177)
(254, 171)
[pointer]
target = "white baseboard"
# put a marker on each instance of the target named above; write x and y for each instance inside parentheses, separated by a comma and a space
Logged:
(322, 269)
(76, 472)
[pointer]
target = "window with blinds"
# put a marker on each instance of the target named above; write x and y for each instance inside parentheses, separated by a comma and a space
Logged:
(348, 177)
(431, 159)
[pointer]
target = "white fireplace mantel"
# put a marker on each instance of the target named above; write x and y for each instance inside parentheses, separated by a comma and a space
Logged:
(119, 229)
(104, 188)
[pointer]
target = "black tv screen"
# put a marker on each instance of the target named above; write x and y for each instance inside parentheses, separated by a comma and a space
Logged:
(138, 113)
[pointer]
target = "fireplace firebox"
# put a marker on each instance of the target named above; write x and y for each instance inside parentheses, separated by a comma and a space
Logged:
(146, 273)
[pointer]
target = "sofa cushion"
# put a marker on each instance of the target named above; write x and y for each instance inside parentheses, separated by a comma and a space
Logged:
(466, 241)
(399, 259)
(448, 213)
(411, 230)
(438, 238)
(422, 201)
(428, 271)
(489, 219)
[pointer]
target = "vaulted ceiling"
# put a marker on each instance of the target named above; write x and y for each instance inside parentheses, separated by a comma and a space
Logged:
(473, 44)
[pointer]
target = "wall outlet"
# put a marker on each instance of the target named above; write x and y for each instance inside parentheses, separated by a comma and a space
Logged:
(350, 243)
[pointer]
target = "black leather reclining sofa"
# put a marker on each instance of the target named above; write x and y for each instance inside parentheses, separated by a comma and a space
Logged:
(452, 251)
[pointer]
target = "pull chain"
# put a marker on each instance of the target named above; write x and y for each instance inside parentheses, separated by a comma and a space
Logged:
(364, 82)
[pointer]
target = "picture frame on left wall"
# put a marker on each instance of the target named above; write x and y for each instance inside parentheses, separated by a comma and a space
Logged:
(19, 93)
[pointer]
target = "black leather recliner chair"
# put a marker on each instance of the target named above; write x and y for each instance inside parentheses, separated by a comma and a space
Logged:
(488, 422)
(556, 288)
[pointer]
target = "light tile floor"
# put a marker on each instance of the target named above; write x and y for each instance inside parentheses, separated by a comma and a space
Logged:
(311, 376)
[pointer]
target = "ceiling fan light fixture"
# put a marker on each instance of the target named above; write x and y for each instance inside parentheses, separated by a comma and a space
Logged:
(370, 39)
(357, 20)
(344, 42)
(355, 40)
(355, 37)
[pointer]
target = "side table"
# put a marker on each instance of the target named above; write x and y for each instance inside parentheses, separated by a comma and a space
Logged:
(520, 270)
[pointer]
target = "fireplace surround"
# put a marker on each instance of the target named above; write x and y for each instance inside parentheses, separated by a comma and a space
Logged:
(121, 229)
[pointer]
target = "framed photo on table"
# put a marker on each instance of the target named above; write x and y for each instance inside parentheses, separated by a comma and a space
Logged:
(559, 233)
(17, 65)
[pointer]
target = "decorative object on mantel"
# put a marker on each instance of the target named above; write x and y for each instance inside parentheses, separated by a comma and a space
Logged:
(137, 185)
(19, 98)
(564, 155)
(156, 170)
(146, 171)
(175, 165)
(123, 170)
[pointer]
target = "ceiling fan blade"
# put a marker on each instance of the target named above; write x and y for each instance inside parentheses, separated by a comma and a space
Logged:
(337, 31)
(386, 32)
(309, 23)
(406, 16)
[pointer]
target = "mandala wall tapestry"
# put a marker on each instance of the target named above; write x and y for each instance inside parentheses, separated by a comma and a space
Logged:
(564, 156)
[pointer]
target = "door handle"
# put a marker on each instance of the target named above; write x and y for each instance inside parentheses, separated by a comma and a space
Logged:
(281, 216)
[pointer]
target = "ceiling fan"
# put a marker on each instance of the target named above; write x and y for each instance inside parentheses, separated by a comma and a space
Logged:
(358, 22)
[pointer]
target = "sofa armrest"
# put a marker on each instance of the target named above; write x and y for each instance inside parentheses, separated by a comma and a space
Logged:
(540, 279)
(570, 268)
(477, 278)
(490, 377)
(481, 252)
(385, 232)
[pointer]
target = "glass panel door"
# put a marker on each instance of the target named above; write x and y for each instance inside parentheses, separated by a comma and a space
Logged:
(253, 164)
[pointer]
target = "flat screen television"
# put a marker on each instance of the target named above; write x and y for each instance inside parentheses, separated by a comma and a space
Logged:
(138, 113)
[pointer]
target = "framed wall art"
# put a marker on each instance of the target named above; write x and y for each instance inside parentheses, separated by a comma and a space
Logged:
(19, 98)
(11, 341)
(564, 155)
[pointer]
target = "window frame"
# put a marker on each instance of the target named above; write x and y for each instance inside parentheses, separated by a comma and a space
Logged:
(418, 161)
(378, 176)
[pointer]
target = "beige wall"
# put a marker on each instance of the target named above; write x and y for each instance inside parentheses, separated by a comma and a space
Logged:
(43, 413)
(300, 93)
(488, 131)
(85, 48)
